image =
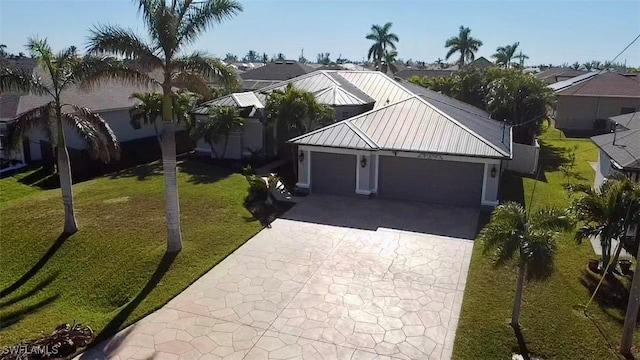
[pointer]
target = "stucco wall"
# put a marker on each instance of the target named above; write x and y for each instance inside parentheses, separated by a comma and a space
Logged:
(580, 112)
(250, 137)
(491, 184)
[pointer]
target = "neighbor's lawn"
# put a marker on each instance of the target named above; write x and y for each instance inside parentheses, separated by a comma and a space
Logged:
(552, 319)
(97, 276)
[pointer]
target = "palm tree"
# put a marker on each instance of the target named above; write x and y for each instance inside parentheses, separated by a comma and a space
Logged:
(294, 112)
(171, 27)
(265, 58)
(388, 62)
(3, 52)
(64, 70)
(148, 109)
(521, 57)
(251, 56)
(504, 54)
(222, 120)
(511, 234)
(605, 213)
(230, 58)
(383, 39)
(466, 45)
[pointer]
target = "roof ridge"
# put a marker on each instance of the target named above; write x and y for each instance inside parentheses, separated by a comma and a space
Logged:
(481, 138)
(362, 135)
(316, 131)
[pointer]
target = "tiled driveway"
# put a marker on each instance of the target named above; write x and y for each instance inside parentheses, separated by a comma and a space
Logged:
(333, 279)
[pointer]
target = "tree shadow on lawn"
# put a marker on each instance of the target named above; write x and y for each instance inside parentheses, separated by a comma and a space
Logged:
(43, 178)
(35, 268)
(41, 285)
(14, 317)
(612, 297)
(202, 172)
(114, 325)
(141, 172)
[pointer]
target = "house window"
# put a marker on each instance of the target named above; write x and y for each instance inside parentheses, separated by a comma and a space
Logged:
(627, 110)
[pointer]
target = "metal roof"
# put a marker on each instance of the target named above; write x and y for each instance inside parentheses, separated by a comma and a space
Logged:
(376, 85)
(337, 96)
(607, 84)
(625, 152)
(240, 100)
(413, 125)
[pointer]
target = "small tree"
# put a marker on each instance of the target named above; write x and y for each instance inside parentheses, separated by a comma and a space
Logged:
(222, 120)
(389, 62)
(529, 240)
(294, 112)
(605, 213)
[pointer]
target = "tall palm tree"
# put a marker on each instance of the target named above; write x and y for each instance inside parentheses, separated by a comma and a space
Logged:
(148, 109)
(529, 240)
(171, 27)
(605, 213)
(466, 45)
(265, 58)
(222, 120)
(389, 61)
(61, 71)
(383, 39)
(504, 54)
(521, 58)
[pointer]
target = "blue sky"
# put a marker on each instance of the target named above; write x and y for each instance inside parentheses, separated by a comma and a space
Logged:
(548, 31)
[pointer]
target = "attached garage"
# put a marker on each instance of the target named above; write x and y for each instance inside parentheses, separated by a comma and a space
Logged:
(432, 181)
(333, 173)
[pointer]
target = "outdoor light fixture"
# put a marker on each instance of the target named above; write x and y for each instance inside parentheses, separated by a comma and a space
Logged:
(301, 156)
(493, 171)
(363, 161)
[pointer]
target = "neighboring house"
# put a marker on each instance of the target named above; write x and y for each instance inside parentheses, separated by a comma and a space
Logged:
(393, 139)
(429, 73)
(480, 63)
(586, 101)
(554, 75)
(111, 100)
(250, 85)
(278, 70)
(619, 150)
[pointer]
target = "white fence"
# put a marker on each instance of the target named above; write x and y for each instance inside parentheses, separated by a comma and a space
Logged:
(525, 158)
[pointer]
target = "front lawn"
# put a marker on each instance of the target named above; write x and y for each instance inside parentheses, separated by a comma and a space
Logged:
(114, 270)
(553, 323)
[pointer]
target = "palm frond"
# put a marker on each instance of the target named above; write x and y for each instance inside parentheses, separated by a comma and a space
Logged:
(538, 250)
(95, 132)
(109, 39)
(201, 16)
(210, 68)
(19, 80)
(91, 71)
(37, 118)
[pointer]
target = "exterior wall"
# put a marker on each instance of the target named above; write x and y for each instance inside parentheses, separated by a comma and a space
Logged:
(603, 169)
(368, 177)
(250, 137)
(491, 185)
(345, 112)
(581, 112)
(525, 158)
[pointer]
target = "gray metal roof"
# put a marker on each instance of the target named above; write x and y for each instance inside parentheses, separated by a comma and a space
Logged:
(240, 100)
(377, 85)
(413, 125)
(250, 85)
(629, 121)
(625, 152)
(337, 96)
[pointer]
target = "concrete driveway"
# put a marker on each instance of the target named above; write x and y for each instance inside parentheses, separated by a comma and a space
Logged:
(335, 278)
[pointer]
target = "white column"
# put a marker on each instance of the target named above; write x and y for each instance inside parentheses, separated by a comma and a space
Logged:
(304, 169)
(363, 176)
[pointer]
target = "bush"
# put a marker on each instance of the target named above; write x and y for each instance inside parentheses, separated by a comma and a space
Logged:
(63, 342)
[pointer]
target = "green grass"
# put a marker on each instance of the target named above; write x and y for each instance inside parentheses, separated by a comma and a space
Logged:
(113, 271)
(29, 181)
(553, 323)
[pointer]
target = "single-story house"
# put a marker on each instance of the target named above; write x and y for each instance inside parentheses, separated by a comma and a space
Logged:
(556, 74)
(111, 100)
(619, 150)
(429, 73)
(586, 101)
(392, 138)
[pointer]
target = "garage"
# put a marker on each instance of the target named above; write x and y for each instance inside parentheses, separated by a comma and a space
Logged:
(333, 173)
(432, 181)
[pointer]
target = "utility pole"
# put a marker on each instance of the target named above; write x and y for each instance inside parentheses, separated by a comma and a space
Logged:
(631, 316)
